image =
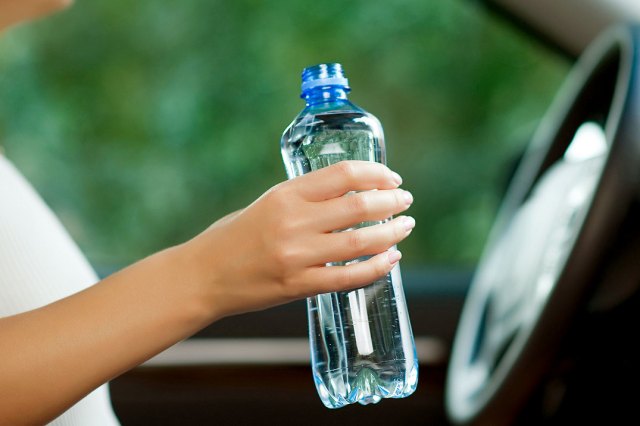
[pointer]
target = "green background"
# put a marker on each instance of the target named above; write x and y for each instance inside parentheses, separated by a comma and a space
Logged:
(143, 122)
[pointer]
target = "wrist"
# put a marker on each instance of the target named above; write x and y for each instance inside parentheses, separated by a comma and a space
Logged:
(197, 278)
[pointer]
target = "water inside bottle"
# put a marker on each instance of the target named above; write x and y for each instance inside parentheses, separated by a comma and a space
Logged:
(361, 342)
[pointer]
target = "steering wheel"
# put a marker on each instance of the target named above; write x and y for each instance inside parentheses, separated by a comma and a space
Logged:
(566, 204)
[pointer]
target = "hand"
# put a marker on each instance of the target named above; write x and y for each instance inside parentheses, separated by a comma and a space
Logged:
(275, 250)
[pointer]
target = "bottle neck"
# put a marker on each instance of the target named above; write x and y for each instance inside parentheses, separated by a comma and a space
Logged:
(330, 95)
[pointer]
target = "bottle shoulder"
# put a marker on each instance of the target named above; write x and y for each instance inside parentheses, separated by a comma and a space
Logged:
(338, 105)
(351, 117)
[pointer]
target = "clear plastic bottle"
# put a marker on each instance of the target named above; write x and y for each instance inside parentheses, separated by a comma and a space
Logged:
(362, 347)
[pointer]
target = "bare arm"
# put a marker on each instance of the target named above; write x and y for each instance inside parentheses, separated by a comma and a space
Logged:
(272, 252)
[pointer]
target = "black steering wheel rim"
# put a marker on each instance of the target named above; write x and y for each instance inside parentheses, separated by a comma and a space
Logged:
(604, 86)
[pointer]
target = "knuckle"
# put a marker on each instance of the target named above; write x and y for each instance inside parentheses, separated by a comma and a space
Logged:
(399, 198)
(285, 257)
(272, 198)
(279, 195)
(285, 228)
(359, 203)
(355, 241)
(347, 169)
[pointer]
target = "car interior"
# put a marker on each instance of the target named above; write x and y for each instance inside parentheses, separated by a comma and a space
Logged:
(522, 278)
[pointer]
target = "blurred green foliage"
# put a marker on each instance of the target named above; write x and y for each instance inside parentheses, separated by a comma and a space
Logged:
(142, 122)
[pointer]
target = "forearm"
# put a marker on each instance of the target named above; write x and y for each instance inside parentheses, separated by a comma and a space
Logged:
(270, 253)
(56, 354)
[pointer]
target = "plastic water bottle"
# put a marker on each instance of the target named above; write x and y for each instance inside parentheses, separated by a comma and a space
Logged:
(362, 347)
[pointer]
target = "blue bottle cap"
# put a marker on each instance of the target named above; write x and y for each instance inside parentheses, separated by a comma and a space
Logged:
(323, 75)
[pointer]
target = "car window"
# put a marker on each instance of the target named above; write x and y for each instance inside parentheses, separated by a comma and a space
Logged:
(141, 123)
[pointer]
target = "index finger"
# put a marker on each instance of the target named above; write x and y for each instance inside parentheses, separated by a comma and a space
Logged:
(338, 179)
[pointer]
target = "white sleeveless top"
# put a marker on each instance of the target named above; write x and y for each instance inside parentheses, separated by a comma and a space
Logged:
(39, 263)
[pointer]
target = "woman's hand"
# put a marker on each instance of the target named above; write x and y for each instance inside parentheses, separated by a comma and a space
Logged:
(275, 250)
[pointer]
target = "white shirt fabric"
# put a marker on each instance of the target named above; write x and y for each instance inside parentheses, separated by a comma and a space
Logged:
(39, 263)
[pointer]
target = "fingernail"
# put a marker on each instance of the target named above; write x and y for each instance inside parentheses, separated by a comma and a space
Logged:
(409, 223)
(394, 256)
(408, 197)
(397, 178)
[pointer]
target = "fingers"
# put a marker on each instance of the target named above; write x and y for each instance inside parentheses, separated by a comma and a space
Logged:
(343, 278)
(344, 212)
(345, 176)
(341, 246)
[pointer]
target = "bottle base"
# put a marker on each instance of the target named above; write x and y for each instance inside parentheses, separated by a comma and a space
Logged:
(366, 388)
